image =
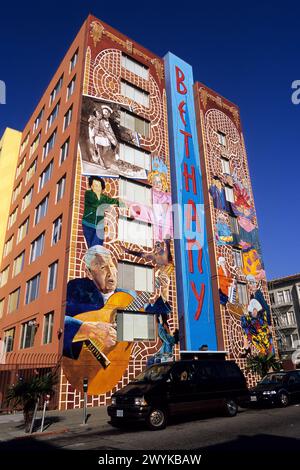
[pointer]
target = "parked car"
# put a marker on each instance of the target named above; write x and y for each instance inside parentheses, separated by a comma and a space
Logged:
(277, 388)
(179, 387)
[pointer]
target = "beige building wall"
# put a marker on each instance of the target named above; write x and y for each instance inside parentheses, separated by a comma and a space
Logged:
(9, 151)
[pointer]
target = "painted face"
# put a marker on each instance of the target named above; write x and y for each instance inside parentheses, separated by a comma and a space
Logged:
(96, 187)
(252, 287)
(105, 113)
(103, 273)
(157, 183)
(98, 114)
(159, 247)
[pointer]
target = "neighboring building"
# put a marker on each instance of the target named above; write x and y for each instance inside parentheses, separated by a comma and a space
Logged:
(285, 302)
(91, 239)
(9, 152)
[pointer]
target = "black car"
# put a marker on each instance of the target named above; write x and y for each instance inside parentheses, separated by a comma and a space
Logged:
(180, 387)
(277, 388)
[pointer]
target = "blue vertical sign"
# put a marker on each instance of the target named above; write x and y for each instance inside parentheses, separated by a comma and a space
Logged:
(194, 290)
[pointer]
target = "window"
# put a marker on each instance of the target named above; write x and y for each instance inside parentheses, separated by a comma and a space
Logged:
(73, 61)
(12, 218)
(37, 247)
(238, 259)
(35, 144)
(31, 171)
(28, 334)
(18, 264)
(48, 327)
(53, 115)
(46, 175)
(280, 298)
(135, 327)
(9, 336)
(135, 231)
(134, 93)
(134, 156)
(242, 293)
(25, 142)
(8, 246)
(287, 295)
(52, 276)
(225, 166)
(135, 123)
(16, 191)
(291, 319)
(71, 87)
(32, 289)
(56, 90)
(38, 119)
(27, 199)
(135, 277)
(134, 192)
(4, 276)
(14, 300)
(49, 144)
(135, 67)
(64, 151)
(41, 210)
(229, 193)
(222, 138)
(57, 227)
(272, 298)
(1, 307)
(20, 167)
(68, 118)
(234, 226)
(23, 230)
(60, 188)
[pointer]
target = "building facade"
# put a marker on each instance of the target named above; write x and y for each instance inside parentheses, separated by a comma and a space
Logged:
(9, 152)
(95, 251)
(241, 301)
(285, 303)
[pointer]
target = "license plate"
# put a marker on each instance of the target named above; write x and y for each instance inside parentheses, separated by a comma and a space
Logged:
(120, 413)
(253, 398)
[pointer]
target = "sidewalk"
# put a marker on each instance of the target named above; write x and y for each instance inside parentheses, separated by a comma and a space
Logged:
(56, 422)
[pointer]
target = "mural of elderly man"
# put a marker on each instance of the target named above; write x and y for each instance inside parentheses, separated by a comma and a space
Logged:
(92, 293)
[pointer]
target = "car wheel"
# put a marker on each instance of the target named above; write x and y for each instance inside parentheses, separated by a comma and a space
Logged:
(283, 399)
(157, 419)
(231, 407)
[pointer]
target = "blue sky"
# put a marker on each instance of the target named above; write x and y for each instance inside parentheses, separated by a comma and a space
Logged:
(248, 53)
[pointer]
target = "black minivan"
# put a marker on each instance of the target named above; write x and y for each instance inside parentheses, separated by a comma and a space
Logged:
(186, 386)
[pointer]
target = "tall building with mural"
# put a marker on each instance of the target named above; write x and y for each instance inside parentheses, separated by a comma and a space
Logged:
(89, 258)
(115, 242)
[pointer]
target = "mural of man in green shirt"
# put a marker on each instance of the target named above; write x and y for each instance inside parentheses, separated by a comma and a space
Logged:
(95, 203)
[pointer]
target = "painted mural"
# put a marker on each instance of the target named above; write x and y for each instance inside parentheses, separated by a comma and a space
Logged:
(241, 276)
(109, 160)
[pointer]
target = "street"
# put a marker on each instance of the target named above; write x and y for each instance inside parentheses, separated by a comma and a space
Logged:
(259, 430)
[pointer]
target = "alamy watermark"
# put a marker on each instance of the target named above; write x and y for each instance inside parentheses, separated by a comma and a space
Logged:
(2, 92)
(296, 94)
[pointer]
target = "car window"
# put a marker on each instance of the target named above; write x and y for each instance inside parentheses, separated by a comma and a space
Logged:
(182, 373)
(274, 378)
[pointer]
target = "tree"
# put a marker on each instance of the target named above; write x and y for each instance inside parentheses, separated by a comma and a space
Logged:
(26, 393)
(261, 365)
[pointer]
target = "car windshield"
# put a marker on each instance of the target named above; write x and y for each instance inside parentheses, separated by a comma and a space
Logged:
(153, 374)
(273, 378)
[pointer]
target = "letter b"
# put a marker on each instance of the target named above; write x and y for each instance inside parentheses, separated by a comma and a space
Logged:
(180, 85)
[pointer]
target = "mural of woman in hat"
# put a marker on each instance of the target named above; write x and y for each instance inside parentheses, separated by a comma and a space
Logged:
(103, 136)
